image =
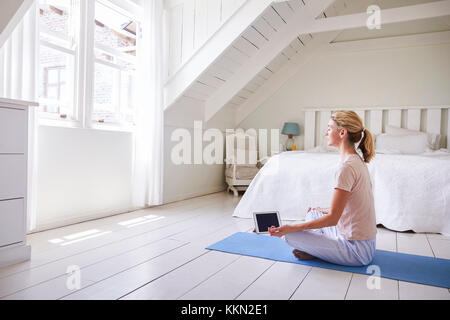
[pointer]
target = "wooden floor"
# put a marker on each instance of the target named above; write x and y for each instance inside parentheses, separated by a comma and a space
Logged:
(159, 253)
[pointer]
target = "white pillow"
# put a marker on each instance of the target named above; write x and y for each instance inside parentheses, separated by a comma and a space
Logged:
(402, 144)
(434, 140)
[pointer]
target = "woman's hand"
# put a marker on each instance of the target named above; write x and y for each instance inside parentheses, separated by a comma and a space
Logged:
(281, 231)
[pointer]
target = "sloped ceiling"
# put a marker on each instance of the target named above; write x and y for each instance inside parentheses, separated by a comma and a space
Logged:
(8, 9)
(208, 89)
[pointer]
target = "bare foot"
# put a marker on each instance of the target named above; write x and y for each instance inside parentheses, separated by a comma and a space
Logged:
(302, 255)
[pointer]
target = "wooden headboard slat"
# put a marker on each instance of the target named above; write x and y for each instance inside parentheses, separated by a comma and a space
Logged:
(429, 119)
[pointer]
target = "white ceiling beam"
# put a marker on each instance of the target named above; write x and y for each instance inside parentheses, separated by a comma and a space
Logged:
(263, 57)
(316, 7)
(388, 16)
(290, 69)
(212, 50)
(422, 39)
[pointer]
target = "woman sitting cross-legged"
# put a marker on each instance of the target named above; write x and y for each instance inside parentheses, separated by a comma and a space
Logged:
(344, 234)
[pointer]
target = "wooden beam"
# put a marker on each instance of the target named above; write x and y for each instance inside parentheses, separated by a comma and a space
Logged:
(394, 15)
(287, 71)
(316, 7)
(263, 57)
(423, 39)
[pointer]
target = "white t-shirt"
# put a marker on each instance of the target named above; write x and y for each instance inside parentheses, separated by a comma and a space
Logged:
(358, 221)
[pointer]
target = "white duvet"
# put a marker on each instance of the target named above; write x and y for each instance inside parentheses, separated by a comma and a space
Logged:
(411, 192)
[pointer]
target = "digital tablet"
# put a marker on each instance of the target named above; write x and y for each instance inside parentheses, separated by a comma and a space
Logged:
(264, 220)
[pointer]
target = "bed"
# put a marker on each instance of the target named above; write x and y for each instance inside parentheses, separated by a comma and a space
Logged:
(411, 191)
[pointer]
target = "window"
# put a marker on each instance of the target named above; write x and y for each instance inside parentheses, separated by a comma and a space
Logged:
(58, 51)
(96, 87)
(53, 85)
(115, 65)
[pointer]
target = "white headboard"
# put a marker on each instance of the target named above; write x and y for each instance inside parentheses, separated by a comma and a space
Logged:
(433, 119)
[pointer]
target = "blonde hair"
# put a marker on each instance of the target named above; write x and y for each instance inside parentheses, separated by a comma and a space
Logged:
(352, 122)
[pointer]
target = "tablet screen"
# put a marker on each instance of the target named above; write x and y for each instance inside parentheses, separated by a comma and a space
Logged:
(266, 220)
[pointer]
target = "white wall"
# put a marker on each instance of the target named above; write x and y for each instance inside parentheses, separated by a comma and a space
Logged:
(396, 77)
(82, 174)
(185, 181)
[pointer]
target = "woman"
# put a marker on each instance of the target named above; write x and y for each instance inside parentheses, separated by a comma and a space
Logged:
(344, 234)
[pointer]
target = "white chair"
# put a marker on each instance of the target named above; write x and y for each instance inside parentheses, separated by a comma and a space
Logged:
(241, 160)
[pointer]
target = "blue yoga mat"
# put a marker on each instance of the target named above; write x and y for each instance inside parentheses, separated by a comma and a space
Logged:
(393, 265)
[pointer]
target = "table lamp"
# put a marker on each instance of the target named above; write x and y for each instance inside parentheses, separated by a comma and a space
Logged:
(291, 129)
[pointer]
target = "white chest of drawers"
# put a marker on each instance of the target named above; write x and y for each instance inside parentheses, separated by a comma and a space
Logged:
(13, 181)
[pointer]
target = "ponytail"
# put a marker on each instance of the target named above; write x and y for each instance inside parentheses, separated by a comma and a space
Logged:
(367, 146)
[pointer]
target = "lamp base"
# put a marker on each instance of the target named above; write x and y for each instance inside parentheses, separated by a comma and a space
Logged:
(289, 143)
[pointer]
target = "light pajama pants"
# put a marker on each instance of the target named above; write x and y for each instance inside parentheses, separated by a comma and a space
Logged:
(327, 244)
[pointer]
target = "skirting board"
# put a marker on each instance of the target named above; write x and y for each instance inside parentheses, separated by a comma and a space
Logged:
(15, 254)
(54, 224)
(186, 196)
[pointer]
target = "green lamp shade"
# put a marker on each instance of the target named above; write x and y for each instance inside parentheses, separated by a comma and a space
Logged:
(291, 128)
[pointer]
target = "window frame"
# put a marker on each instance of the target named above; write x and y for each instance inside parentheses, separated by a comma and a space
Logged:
(84, 47)
(119, 55)
(74, 52)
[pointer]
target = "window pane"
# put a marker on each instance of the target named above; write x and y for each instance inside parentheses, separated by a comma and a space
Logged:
(53, 77)
(52, 93)
(114, 30)
(55, 92)
(56, 17)
(115, 53)
(105, 91)
(104, 56)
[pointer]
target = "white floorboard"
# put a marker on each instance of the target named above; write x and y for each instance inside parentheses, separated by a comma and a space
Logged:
(171, 224)
(41, 240)
(414, 243)
(416, 291)
(175, 284)
(20, 281)
(159, 253)
(440, 247)
(98, 271)
(129, 280)
(279, 282)
(386, 240)
(323, 284)
(376, 289)
(230, 282)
